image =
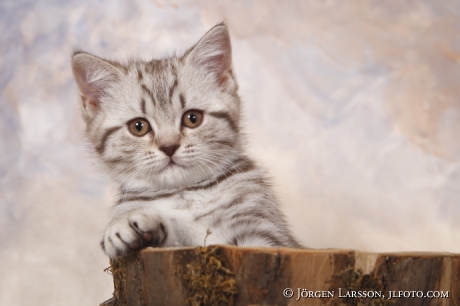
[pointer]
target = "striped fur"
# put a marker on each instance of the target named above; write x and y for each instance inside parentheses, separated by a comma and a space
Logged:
(208, 190)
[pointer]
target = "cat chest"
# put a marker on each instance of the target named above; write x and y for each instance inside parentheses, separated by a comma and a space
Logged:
(197, 200)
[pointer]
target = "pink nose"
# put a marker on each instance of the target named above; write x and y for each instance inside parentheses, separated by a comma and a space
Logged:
(169, 150)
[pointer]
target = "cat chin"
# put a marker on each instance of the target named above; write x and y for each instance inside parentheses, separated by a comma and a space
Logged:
(173, 176)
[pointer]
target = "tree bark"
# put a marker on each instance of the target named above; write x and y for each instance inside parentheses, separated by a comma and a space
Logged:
(227, 275)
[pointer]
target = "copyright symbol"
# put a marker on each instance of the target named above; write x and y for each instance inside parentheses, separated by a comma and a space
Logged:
(288, 293)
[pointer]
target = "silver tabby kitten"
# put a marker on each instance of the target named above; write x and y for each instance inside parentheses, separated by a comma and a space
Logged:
(168, 133)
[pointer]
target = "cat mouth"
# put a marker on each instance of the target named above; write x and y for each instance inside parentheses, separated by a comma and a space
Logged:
(171, 164)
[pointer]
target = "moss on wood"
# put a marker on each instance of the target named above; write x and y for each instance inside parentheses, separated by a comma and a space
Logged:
(209, 281)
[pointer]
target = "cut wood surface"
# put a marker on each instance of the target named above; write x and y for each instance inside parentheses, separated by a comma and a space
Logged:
(228, 275)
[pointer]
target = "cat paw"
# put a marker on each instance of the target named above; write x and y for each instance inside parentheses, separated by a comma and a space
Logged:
(132, 232)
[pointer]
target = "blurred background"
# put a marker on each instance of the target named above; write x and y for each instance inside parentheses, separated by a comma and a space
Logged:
(353, 107)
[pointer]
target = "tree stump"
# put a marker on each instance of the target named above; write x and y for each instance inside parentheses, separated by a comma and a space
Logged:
(228, 275)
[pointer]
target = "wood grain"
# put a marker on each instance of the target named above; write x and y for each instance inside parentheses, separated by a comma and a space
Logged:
(227, 275)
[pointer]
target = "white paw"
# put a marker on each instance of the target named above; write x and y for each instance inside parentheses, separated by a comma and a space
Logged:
(133, 231)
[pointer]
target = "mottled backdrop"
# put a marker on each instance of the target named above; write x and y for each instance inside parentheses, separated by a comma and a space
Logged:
(353, 106)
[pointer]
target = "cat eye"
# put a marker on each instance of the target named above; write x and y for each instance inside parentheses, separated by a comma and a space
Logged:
(139, 127)
(192, 118)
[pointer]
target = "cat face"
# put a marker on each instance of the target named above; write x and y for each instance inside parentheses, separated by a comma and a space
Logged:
(167, 123)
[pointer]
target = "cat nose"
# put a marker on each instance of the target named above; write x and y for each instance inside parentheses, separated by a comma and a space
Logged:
(169, 150)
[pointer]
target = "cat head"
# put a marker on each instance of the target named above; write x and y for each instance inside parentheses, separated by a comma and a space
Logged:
(166, 123)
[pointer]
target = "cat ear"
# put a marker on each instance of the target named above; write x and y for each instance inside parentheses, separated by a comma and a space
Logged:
(93, 76)
(214, 53)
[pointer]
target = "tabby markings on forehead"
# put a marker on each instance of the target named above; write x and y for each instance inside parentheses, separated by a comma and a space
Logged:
(182, 100)
(149, 93)
(225, 116)
(143, 105)
(139, 75)
(101, 147)
(172, 89)
(152, 65)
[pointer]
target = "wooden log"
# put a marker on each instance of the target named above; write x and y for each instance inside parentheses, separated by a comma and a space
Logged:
(227, 275)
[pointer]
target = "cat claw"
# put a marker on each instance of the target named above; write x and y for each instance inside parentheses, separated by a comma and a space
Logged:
(147, 236)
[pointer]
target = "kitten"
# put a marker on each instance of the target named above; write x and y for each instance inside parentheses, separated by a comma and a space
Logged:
(168, 133)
